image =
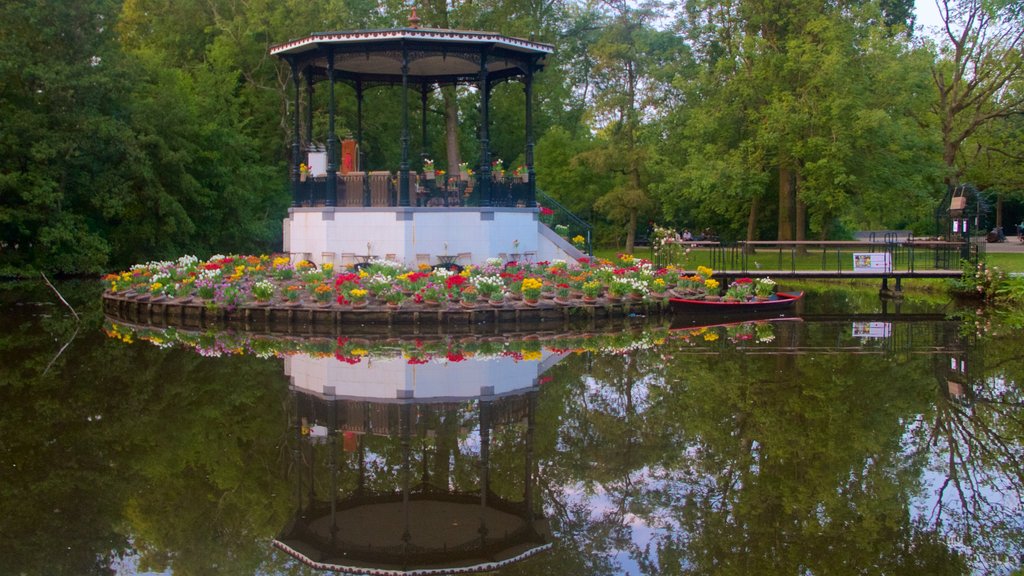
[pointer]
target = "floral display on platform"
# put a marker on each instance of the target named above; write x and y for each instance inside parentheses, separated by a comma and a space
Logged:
(231, 281)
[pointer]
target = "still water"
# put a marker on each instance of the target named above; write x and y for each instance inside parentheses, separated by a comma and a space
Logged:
(844, 441)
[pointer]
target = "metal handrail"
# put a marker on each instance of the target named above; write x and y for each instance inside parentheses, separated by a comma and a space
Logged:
(585, 229)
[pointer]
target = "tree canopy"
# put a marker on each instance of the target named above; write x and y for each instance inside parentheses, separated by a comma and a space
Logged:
(141, 129)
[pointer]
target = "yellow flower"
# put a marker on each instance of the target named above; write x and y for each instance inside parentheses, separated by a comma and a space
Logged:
(359, 352)
(358, 293)
(156, 286)
(424, 266)
(364, 274)
(532, 284)
(281, 261)
(327, 268)
(705, 271)
(659, 283)
(711, 284)
(710, 336)
(466, 271)
(531, 355)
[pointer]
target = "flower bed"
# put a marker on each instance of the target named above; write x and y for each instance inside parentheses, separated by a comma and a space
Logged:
(228, 282)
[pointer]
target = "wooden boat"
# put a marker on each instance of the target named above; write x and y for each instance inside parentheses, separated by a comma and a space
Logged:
(781, 302)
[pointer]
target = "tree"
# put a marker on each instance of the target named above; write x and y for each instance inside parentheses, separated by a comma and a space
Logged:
(977, 73)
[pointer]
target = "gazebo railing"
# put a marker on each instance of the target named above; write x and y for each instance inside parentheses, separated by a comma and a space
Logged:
(379, 189)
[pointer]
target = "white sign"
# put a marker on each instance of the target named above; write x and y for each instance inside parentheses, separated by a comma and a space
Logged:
(871, 262)
(872, 329)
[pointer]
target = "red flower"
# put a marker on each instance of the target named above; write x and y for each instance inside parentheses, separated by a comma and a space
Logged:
(211, 266)
(744, 281)
(415, 360)
(544, 210)
(584, 260)
(563, 285)
(348, 359)
(454, 280)
(343, 278)
(456, 357)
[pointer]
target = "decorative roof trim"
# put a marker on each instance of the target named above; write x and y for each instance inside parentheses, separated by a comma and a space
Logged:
(463, 36)
(482, 567)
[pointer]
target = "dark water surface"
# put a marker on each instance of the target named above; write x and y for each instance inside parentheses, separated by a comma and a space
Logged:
(846, 441)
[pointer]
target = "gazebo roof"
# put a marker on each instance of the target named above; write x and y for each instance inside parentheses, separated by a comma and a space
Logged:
(435, 55)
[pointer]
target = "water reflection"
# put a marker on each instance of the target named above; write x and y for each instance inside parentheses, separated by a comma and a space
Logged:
(821, 444)
(405, 465)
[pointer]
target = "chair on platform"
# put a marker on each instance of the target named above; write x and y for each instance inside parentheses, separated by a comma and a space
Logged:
(464, 258)
(348, 259)
(423, 259)
(353, 189)
(391, 257)
(380, 188)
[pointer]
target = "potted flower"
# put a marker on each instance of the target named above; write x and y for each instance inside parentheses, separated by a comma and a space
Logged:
(464, 171)
(263, 291)
(304, 172)
(562, 292)
(428, 169)
(740, 290)
(764, 288)
(358, 297)
(469, 296)
(490, 287)
(322, 293)
(292, 293)
(531, 288)
(591, 290)
(579, 241)
(617, 289)
(433, 293)
(394, 297)
(711, 285)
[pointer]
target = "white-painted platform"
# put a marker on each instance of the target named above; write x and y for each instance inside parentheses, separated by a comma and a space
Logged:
(334, 234)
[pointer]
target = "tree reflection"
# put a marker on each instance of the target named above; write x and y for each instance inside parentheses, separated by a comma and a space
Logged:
(739, 462)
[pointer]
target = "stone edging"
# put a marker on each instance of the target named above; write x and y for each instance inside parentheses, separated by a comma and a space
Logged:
(331, 318)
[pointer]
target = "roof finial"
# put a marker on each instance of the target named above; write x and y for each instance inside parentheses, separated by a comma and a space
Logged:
(414, 20)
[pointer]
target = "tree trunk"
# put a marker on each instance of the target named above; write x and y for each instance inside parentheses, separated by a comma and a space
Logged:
(785, 203)
(801, 215)
(752, 223)
(631, 230)
(451, 123)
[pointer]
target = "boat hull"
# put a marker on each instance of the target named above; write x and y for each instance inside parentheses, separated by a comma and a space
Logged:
(783, 302)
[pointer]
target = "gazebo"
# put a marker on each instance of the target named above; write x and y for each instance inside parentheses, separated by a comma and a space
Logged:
(380, 473)
(341, 210)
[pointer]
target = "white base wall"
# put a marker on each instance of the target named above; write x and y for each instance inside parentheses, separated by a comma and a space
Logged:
(326, 234)
(395, 379)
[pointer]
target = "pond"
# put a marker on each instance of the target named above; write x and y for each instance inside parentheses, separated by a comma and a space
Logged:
(855, 438)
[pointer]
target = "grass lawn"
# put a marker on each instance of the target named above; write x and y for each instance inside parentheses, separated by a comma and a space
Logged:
(1010, 262)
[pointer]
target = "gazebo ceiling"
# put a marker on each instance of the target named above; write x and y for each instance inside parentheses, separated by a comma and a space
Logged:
(435, 56)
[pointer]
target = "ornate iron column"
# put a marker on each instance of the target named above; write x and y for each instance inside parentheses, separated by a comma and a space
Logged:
(359, 141)
(332, 138)
(296, 151)
(309, 105)
(531, 181)
(403, 168)
(484, 178)
(423, 102)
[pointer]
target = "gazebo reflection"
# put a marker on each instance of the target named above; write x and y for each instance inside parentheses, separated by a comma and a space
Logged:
(390, 483)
